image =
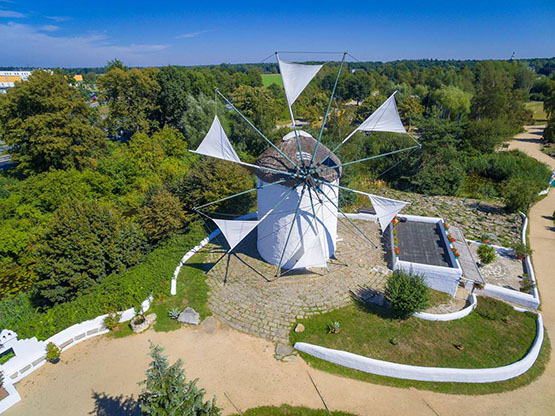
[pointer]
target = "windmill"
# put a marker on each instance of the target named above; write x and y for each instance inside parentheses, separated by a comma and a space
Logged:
(298, 181)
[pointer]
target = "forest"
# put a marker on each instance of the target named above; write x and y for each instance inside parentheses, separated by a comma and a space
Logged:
(97, 189)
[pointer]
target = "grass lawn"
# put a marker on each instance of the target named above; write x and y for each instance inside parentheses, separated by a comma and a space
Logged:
(286, 410)
(368, 330)
(537, 108)
(268, 79)
(192, 290)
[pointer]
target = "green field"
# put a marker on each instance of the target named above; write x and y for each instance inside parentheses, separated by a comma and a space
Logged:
(537, 108)
(269, 79)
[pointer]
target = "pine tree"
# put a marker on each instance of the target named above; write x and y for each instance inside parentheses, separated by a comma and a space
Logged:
(167, 392)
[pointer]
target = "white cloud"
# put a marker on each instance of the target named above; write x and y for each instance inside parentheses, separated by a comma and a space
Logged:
(11, 14)
(192, 34)
(36, 46)
(58, 19)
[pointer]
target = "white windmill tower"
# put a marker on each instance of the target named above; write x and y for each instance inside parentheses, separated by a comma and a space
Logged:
(298, 182)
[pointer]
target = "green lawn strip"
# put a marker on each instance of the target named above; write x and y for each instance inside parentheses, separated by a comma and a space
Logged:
(286, 410)
(450, 388)
(539, 114)
(269, 79)
(439, 298)
(368, 331)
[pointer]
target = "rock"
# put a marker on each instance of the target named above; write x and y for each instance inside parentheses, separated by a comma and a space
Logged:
(209, 325)
(189, 316)
(284, 349)
(138, 328)
(289, 358)
(299, 328)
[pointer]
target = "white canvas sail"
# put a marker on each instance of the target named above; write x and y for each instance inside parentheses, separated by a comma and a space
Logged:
(296, 77)
(216, 144)
(235, 231)
(385, 118)
(386, 209)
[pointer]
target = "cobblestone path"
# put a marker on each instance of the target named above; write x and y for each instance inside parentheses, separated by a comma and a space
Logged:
(246, 295)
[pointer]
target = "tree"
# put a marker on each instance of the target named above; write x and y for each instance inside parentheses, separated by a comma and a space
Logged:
(453, 99)
(132, 99)
(406, 294)
(519, 194)
(209, 180)
(162, 216)
(484, 136)
(84, 242)
(166, 391)
(174, 93)
(47, 124)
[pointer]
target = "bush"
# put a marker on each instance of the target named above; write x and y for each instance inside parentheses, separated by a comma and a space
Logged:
(486, 253)
(493, 309)
(112, 320)
(52, 352)
(116, 292)
(406, 294)
(521, 249)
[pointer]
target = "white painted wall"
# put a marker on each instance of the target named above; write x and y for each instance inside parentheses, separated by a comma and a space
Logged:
(437, 374)
(472, 303)
(273, 231)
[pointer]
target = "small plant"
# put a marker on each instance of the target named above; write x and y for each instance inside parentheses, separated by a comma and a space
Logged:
(527, 285)
(484, 238)
(173, 313)
(521, 250)
(486, 253)
(52, 352)
(479, 286)
(445, 226)
(407, 294)
(393, 341)
(450, 238)
(397, 251)
(139, 317)
(459, 346)
(112, 321)
(334, 327)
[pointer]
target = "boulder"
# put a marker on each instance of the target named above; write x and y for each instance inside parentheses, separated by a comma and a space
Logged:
(189, 316)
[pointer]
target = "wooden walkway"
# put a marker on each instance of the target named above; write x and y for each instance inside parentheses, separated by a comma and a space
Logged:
(468, 264)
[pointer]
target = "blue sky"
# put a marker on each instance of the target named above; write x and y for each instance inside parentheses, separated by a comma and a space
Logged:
(59, 33)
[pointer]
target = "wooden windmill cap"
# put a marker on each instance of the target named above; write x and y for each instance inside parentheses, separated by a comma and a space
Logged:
(273, 159)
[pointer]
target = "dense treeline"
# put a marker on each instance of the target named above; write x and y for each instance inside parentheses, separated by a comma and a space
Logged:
(99, 187)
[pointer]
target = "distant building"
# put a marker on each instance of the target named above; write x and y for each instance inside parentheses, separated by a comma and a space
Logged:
(9, 78)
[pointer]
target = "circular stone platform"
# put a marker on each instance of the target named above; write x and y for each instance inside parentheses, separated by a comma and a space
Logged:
(246, 295)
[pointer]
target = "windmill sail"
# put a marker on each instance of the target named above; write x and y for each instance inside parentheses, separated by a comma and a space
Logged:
(296, 77)
(216, 144)
(235, 231)
(385, 118)
(386, 209)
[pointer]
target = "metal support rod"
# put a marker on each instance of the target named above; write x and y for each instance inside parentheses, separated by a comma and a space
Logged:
(258, 131)
(239, 194)
(289, 105)
(316, 224)
(352, 190)
(348, 219)
(365, 159)
(290, 229)
(327, 110)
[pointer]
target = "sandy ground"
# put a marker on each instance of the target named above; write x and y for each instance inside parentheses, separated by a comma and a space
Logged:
(241, 367)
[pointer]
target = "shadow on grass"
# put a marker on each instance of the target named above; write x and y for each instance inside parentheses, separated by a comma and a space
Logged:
(121, 405)
(361, 301)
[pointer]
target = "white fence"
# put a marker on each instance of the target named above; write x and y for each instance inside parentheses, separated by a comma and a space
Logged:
(436, 374)
(473, 302)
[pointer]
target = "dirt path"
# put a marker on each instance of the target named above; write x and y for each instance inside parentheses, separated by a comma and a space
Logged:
(242, 366)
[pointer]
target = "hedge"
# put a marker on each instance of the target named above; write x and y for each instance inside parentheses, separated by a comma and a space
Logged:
(116, 292)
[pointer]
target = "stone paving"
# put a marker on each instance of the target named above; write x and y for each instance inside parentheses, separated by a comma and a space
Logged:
(246, 295)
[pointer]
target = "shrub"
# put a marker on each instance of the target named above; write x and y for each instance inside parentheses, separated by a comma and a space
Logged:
(486, 253)
(526, 285)
(52, 352)
(112, 320)
(407, 294)
(521, 249)
(173, 313)
(334, 327)
(166, 391)
(493, 309)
